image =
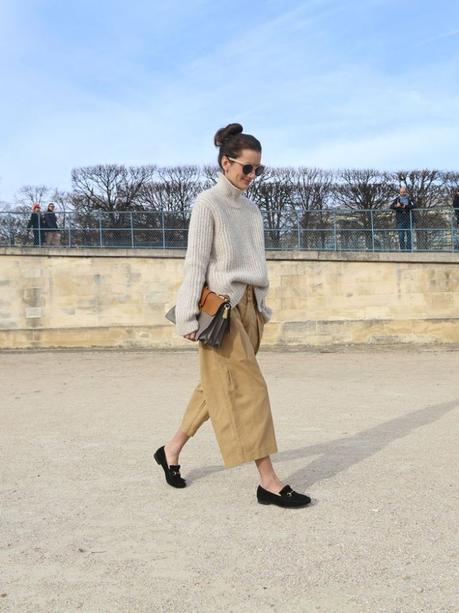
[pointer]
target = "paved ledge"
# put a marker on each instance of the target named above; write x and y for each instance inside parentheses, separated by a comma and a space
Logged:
(76, 252)
(178, 254)
(363, 256)
(351, 348)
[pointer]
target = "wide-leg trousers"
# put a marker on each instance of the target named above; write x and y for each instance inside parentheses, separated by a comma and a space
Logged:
(233, 392)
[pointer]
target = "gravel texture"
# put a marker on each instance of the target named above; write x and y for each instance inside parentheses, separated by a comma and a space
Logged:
(88, 524)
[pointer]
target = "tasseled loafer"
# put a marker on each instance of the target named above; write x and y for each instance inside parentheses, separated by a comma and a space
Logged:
(286, 498)
(172, 472)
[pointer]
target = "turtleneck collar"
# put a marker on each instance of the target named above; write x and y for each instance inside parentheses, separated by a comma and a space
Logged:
(227, 188)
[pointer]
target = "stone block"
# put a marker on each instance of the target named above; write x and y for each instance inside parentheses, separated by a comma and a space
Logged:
(120, 300)
(34, 312)
(32, 273)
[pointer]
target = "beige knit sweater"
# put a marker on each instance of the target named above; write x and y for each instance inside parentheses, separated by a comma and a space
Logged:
(226, 251)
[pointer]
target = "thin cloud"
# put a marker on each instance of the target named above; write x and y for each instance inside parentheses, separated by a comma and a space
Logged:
(438, 37)
(423, 146)
(318, 82)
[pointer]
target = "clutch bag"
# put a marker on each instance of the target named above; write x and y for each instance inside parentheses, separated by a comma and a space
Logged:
(213, 319)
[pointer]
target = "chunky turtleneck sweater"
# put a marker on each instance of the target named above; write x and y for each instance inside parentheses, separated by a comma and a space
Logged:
(226, 252)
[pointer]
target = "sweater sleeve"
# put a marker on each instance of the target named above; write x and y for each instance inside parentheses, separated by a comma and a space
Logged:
(200, 240)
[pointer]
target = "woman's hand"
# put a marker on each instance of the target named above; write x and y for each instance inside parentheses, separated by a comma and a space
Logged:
(190, 337)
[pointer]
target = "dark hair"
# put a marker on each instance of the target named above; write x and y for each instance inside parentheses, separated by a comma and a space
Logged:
(232, 141)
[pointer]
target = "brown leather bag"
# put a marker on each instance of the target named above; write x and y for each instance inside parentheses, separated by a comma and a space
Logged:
(213, 319)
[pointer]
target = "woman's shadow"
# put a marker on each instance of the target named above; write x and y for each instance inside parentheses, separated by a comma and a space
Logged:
(338, 455)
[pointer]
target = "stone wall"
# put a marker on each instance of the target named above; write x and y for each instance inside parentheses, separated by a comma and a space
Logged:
(117, 298)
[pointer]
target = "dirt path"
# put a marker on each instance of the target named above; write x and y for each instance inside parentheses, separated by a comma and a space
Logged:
(87, 523)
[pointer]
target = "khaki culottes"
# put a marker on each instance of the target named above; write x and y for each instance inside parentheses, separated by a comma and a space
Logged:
(233, 392)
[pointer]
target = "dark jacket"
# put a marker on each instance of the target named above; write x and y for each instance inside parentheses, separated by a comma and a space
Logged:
(50, 220)
(36, 221)
(402, 215)
(456, 203)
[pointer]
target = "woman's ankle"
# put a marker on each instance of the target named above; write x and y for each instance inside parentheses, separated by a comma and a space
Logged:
(172, 453)
(271, 483)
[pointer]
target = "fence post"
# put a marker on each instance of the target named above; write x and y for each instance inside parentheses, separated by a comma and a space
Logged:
(411, 230)
(101, 239)
(372, 230)
(163, 228)
(69, 222)
(298, 229)
(10, 230)
(453, 238)
(132, 233)
(334, 231)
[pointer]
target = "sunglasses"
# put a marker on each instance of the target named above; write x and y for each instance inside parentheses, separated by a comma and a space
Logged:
(248, 168)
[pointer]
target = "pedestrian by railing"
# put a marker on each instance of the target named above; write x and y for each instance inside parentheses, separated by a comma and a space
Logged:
(433, 229)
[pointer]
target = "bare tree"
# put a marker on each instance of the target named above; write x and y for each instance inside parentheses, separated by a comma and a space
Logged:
(450, 183)
(366, 189)
(425, 186)
(274, 192)
(427, 190)
(169, 199)
(362, 189)
(113, 191)
(312, 189)
(30, 194)
(110, 187)
(313, 186)
(115, 204)
(181, 184)
(210, 175)
(14, 230)
(62, 199)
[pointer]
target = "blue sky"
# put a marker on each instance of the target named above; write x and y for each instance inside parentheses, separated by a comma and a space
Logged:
(371, 83)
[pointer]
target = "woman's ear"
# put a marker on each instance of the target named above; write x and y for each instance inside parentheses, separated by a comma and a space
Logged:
(225, 163)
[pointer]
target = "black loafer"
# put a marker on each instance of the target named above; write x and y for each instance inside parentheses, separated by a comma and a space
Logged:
(172, 472)
(286, 498)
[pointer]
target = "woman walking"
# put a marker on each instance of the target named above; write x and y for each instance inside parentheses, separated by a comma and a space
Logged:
(226, 253)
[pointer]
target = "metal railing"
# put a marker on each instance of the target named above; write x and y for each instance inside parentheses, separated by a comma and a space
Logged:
(434, 229)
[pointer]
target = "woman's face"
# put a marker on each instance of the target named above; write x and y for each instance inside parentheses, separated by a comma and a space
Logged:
(233, 170)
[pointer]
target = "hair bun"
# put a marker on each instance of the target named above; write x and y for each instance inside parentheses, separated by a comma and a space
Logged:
(224, 134)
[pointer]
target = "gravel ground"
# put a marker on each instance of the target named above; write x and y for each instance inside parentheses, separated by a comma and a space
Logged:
(88, 524)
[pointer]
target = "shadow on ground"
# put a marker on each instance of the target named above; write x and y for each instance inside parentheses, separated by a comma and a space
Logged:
(340, 454)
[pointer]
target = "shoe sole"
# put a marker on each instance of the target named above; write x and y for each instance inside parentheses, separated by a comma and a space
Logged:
(300, 506)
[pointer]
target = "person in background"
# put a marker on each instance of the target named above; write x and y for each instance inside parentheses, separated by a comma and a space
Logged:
(37, 223)
(51, 229)
(403, 206)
